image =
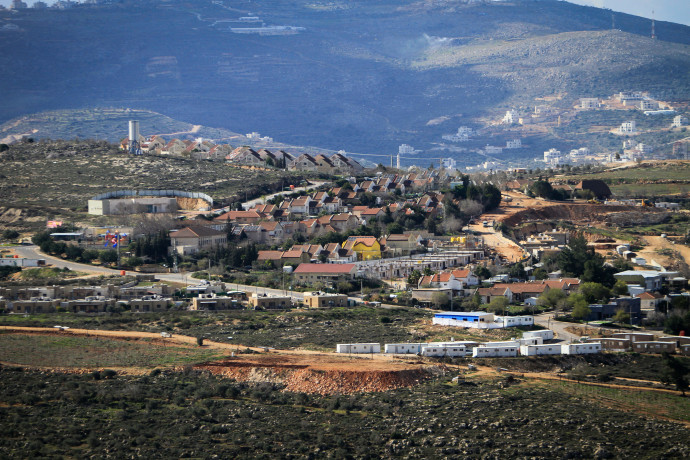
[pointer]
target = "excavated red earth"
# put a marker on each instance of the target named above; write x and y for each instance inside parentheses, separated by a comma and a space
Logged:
(306, 379)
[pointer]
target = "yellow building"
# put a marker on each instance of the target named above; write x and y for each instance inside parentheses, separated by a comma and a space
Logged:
(366, 247)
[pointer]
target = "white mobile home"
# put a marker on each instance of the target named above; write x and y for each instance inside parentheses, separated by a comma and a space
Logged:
(358, 348)
(490, 351)
(512, 321)
(506, 343)
(580, 348)
(545, 334)
(537, 350)
(443, 350)
(21, 262)
(404, 348)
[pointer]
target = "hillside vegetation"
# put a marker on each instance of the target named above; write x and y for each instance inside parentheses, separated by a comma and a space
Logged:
(57, 178)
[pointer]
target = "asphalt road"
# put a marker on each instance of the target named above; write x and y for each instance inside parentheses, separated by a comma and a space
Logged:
(558, 327)
(32, 252)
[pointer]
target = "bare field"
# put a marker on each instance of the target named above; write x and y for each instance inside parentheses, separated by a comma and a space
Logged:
(67, 350)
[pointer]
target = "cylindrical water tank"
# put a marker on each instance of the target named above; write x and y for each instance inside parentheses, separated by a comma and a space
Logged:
(134, 130)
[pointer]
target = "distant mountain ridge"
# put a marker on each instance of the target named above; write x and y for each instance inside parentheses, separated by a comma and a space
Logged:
(362, 76)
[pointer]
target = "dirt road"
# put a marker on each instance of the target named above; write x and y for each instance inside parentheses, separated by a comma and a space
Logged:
(657, 243)
(505, 247)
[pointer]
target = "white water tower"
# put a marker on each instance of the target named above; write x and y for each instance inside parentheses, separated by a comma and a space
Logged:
(134, 146)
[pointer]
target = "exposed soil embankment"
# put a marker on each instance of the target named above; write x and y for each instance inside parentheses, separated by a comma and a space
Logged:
(582, 213)
(318, 380)
(192, 204)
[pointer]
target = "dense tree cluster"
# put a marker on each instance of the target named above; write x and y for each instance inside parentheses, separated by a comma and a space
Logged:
(152, 246)
(544, 189)
(581, 261)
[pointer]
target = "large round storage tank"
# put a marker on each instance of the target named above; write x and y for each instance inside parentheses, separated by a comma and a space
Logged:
(134, 131)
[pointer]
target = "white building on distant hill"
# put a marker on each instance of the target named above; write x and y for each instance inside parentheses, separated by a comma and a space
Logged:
(589, 103)
(514, 144)
(553, 157)
(680, 120)
(511, 117)
(628, 127)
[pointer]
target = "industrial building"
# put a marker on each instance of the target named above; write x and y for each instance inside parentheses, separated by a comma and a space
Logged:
(475, 319)
(480, 320)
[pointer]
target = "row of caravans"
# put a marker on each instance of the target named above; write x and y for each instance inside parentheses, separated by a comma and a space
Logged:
(531, 345)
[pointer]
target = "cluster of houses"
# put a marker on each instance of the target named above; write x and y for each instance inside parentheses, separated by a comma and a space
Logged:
(337, 163)
(641, 342)
(456, 282)
(335, 210)
(204, 149)
(85, 299)
(643, 296)
(143, 298)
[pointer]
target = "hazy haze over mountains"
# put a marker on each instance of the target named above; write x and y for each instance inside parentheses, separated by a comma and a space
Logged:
(677, 11)
(362, 76)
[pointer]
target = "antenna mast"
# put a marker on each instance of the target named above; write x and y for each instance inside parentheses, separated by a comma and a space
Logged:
(653, 27)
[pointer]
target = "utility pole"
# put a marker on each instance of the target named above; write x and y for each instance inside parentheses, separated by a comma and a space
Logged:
(118, 249)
